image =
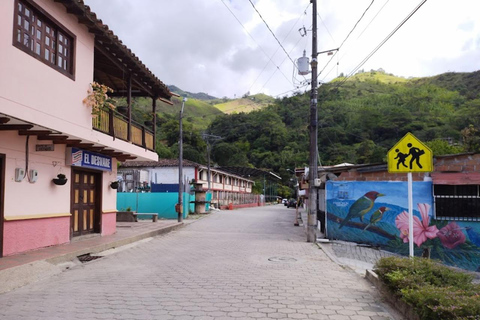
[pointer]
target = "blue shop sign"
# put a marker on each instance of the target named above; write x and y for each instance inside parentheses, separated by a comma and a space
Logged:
(86, 159)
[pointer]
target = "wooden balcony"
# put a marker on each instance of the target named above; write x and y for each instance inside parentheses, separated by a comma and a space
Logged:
(116, 125)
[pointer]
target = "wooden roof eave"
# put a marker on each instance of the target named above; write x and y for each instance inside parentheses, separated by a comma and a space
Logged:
(129, 60)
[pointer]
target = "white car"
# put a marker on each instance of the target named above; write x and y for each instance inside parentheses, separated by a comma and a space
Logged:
(284, 201)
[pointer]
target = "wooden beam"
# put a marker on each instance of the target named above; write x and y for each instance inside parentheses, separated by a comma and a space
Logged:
(67, 142)
(7, 127)
(34, 132)
(129, 110)
(52, 138)
(85, 145)
(154, 120)
(121, 66)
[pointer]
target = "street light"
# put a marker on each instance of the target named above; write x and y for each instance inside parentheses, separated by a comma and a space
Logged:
(296, 223)
(179, 206)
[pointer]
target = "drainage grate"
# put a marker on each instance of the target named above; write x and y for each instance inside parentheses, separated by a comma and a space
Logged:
(87, 257)
(282, 259)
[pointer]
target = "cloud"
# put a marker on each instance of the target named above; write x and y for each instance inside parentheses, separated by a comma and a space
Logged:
(200, 45)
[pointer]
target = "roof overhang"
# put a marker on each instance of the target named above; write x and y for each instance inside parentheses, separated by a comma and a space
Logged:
(23, 128)
(250, 173)
(115, 65)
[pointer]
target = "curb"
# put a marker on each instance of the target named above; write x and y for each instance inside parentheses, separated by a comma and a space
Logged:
(103, 247)
(405, 309)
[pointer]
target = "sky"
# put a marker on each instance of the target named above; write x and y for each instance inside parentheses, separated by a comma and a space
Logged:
(224, 47)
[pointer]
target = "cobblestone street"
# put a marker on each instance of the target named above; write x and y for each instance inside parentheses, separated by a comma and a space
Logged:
(242, 264)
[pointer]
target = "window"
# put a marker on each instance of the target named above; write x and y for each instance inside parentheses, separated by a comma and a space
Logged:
(457, 202)
(37, 34)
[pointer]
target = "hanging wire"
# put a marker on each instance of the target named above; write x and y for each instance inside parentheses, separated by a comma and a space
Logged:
(293, 26)
(253, 39)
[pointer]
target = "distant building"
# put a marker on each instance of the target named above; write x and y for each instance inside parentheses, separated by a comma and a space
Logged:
(162, 176)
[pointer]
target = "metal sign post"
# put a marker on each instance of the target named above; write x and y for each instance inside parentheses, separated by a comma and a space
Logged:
(410, 155)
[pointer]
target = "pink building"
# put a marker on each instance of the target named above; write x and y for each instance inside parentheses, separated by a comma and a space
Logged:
(50, 53)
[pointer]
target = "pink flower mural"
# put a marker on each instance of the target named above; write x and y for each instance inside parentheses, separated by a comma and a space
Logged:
(421, 229)
(451, 235)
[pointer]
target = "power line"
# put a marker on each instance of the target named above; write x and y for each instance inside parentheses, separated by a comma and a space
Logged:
(271, 32)
(293, 26)
(280, 65)
(363, 31)
(254, 39)
(326, 28)
(348, 35)
(383, 42)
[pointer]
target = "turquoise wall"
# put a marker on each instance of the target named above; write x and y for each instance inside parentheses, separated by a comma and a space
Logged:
(162, 203)
(208, 197)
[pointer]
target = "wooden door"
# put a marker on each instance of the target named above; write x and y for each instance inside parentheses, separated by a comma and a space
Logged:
(86, 199)
(2, 186)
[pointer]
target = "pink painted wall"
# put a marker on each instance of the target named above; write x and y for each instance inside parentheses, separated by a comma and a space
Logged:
(37, 233)
(109, 223)
(39, 94)
(53, 99)
(41, 197)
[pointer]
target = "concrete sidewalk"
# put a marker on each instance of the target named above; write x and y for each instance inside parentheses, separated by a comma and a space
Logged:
(21, 269)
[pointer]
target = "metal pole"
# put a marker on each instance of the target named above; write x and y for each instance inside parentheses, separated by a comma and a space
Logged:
(410, 214)
(180, 166)
(312, 190)
(208, 168)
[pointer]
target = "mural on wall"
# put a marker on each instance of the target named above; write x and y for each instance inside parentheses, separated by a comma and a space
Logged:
(376, 213)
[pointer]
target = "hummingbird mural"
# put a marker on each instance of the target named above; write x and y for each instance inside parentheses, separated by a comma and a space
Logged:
(360, 207)
(376, 216)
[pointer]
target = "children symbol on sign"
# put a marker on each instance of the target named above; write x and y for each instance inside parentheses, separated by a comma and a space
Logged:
(415, 153)
(401, 158)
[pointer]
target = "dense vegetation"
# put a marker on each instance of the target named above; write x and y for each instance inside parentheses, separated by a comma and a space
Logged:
(433, 290)
(359, 120)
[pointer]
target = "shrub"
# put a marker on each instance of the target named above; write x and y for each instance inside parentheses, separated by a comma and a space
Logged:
(435, 291)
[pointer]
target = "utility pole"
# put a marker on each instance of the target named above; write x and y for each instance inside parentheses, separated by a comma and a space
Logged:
(179, 206)
(207, 138)
(313, 170)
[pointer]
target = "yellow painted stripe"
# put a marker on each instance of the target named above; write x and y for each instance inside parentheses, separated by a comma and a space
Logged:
(36, 216)
(110, 211)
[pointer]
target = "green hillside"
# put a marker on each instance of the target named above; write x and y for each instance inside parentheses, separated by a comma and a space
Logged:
(199, 95)
(200, 113)
(245, 104)
(359, 121)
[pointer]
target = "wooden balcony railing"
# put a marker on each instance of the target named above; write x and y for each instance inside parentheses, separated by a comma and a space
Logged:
(116, 125)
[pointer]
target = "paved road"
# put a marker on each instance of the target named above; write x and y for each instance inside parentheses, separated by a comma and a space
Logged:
(242, 264)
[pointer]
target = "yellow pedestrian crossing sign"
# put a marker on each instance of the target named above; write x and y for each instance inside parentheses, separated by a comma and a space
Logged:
(410, 155)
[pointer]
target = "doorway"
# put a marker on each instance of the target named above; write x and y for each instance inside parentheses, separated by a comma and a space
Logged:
(86, 202)
(2, 198)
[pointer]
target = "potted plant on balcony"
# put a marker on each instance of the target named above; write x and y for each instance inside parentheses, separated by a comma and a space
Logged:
(98, 99)
(149, 119)
(60, 180)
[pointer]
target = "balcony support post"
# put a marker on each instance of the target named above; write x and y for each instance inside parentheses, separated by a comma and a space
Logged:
(111, 128)
(154, 110)
(129, 106)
